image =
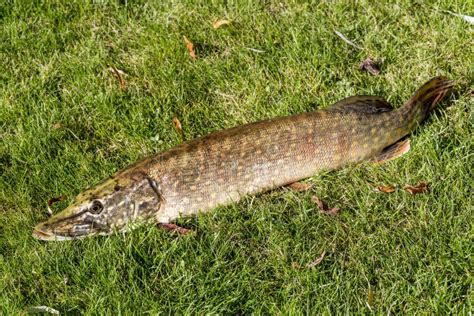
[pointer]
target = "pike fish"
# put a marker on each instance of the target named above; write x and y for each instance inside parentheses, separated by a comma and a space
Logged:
(224, 166)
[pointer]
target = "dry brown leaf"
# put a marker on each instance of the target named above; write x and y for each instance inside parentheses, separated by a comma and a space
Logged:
(221, 22)
(119, 75)
(323, 206)
(57, 126)
(318, 202)
(299, 186)
(385, 189)
(173, 228)
(295, 265)
(190, 47)
(52, 201)
(370, 297)
(422, 187)
(178, 126)
(56, 200)
(333, 211)
(120, 72)
(370, 66)
(317, 261)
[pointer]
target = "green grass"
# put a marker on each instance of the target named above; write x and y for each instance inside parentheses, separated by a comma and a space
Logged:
(413, 252)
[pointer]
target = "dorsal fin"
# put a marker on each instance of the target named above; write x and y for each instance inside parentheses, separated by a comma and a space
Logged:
(362, 104)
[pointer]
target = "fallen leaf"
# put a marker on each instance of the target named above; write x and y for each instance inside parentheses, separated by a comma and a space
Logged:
(173, 228)
(56, 200)
(345, 39)
(385, 189)
(370, 66)
(114, 69)
(323, 206)
(52, 201)
(190, 47)
(178, 126)
(295, 265)
(57, 126)
(422, 187)
(119, 75)
(299, 186)
(42, 309)
(318, 202)
(370, 297)
(218, 23)
(317, 261)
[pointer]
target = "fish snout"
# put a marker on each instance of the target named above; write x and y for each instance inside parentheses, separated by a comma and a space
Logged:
(43, 231)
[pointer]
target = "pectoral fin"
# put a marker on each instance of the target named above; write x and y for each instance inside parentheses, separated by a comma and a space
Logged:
(393, 151)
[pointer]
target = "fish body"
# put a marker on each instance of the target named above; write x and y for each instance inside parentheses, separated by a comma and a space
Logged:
(226, 165)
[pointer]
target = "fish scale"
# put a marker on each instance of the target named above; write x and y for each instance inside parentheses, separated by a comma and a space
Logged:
(270, 154)
(225, 166)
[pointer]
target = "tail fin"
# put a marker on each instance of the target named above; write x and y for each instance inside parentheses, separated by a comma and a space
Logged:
(426, 97)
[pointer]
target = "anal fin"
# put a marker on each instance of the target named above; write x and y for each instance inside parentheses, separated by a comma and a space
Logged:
(393, 151)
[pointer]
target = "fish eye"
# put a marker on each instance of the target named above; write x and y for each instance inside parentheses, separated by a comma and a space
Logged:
(96, 207)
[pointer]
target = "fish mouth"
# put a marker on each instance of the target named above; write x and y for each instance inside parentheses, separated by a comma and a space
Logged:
(40, 233)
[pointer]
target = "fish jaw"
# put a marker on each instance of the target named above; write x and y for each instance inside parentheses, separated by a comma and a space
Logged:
(40, 233)
(72, 223)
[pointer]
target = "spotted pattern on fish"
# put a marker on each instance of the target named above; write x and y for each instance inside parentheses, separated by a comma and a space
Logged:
(226, 165)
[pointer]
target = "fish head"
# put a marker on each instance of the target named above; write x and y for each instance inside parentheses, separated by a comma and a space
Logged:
(116, 204)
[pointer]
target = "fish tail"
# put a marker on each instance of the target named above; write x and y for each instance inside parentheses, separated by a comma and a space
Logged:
(427, 96)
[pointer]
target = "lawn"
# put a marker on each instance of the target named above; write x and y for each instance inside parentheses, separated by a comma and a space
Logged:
(66, 123)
